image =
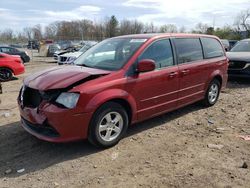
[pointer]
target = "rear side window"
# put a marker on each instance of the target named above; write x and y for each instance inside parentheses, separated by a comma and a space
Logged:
(212, 48)
(188, 50)
(161, 52)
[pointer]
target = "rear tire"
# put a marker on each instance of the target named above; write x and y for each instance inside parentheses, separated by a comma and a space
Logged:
(212, 93)
(5, 74)
(108, 125)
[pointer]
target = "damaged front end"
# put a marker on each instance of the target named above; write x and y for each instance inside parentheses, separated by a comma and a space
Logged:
(33, 98)
(49, 108)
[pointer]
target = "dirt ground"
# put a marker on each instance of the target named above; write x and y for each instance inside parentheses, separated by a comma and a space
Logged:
(168, 151)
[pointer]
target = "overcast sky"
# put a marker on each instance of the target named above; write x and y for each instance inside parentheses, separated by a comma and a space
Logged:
(17, 14)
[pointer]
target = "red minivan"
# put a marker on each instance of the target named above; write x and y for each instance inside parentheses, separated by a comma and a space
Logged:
(121, 81)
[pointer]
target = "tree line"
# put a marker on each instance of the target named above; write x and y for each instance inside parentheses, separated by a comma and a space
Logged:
(91, 30)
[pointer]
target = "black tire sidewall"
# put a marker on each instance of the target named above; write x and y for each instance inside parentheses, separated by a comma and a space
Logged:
(94, 136)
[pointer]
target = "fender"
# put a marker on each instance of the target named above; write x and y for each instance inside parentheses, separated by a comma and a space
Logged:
(112, 94)
(211, 77)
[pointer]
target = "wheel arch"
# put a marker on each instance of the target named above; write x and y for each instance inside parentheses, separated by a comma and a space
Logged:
(219, 78)
(9, 68)
(114, 95)
(215, 75)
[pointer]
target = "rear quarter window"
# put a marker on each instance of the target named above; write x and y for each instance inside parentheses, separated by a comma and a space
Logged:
(188, 49)
(212, 48)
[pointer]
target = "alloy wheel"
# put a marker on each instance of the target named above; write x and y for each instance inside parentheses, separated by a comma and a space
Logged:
(110, 126)
(213, 93)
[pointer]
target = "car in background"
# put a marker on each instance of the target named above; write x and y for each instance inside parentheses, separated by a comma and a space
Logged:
(67, 50)
(69, 58)
(52, 48)
(10, 65)
(33, 44)
(232, 43)
(122, 81)
(13, 51)
(239, 59)
(226, 44)
(65, 44)
(17, 45)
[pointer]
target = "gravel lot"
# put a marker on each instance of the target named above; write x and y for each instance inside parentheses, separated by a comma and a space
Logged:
(190, 147)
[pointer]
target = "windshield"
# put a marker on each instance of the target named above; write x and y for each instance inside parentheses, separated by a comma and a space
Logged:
(110, 54)
(86, 47)
(243, 46)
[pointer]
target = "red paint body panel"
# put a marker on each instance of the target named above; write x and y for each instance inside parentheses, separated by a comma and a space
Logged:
(60, 77)
(148, 94)
(13, 63)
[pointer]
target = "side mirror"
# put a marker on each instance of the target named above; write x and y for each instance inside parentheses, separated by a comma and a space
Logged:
(145, 65)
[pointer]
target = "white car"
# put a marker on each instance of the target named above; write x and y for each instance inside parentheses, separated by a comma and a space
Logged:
(69, 58)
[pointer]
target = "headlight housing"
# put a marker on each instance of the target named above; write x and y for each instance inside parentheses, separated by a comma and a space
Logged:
(68, 100)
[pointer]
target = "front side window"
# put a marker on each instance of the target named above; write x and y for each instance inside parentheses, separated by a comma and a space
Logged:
(110, 54)
(161, 52)
(212, 48)
(242, 46)
(188, 50)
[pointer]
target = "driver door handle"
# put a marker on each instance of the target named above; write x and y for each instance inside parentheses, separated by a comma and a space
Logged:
(172, 74)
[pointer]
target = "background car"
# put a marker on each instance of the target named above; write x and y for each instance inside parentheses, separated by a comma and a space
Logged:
(10, 65)
(65, 44)
(67, 50)
(33, 44)
(69, 58)
(226, 44)
(52, 48)
(232, 43)
(13, 51)
(239, 59)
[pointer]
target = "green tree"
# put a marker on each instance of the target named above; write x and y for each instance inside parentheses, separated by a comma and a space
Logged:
(112, 27)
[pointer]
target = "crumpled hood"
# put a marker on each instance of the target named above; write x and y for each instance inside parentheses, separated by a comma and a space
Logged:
(60, 77)
(239, 56)
(72, 54)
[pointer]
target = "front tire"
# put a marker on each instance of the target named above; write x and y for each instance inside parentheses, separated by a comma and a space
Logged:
(5, 74)
(108, 125)
(212, 93)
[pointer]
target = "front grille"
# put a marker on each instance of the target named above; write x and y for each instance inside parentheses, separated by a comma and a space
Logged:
(31, 98)
(63, 59)
(237, 64)
(45, 129)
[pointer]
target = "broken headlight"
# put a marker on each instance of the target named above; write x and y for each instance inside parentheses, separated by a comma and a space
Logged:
(69, 100)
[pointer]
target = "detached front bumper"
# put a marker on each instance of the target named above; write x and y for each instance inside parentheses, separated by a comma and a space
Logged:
(54, 124)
